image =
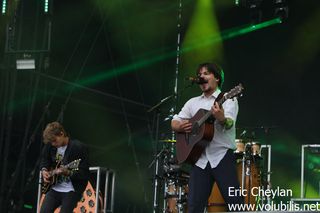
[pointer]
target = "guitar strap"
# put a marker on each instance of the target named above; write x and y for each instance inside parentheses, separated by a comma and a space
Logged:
(220, 96)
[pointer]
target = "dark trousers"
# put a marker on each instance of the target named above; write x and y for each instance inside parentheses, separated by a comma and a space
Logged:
(201, 182)
(53, 199)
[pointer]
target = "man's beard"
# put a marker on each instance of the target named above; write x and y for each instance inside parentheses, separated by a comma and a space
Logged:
(205, 88)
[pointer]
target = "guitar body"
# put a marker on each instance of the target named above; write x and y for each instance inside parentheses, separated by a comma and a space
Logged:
(191, 145)
(45, 187)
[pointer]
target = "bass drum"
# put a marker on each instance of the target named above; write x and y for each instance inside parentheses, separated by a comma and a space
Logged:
(249, 177)
(87, 203)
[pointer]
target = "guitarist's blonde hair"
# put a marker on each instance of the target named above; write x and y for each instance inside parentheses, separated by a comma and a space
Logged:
(52, 130)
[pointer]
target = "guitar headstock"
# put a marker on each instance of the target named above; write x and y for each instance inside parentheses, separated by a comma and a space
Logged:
(73, 165)
(235, 92)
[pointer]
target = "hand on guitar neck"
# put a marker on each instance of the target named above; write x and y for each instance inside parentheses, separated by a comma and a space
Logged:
(218, 112)
(47, 175)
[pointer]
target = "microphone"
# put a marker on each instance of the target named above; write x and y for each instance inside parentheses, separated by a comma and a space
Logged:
(197, 80)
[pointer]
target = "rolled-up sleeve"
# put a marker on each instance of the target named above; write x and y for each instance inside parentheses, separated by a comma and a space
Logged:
(231, 108)
(185, 112)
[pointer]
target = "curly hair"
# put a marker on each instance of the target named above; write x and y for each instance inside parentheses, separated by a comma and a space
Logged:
(52, 130)
(215, 69)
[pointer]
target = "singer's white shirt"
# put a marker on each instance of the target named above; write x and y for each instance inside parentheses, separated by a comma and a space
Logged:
(223, 139)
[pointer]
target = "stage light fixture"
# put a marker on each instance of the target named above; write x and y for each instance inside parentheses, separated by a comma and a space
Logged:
(46, 6)
(248, 3)
(254, 9)
(281, 9)
(4, 7)
(26, 62)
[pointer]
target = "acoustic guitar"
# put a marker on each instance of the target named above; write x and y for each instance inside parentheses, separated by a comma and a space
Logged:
(72, 166)
(190, 146)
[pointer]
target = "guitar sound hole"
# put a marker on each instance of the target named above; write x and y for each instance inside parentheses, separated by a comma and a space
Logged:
(89, 192)
(91, 203)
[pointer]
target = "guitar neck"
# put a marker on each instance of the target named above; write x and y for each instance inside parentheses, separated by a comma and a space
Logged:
(53, 172)
(209, 113)
(222, 100)
(204, 118)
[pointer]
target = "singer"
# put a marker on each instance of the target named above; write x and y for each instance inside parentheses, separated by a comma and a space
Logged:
(217, 163)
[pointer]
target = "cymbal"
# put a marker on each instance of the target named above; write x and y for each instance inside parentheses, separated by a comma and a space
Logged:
(168, 141)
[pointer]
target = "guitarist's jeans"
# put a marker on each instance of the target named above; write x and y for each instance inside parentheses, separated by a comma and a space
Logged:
(53, 199)
(201, 182)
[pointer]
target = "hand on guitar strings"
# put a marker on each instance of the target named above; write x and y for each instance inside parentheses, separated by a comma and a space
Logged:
(46, 176)
(185, 126)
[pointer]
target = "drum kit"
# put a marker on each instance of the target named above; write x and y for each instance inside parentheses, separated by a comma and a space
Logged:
(175, 182)
(174, 179)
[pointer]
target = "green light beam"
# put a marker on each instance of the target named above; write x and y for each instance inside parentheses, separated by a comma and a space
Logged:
(203, 23)
(231, 33)
(225, 35)
(109, 74)
(27, 206)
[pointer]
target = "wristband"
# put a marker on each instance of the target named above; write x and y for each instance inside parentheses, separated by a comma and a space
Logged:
(227, 123)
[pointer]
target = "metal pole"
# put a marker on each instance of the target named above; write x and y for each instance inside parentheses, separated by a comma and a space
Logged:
(156, 170)
(302, 171)
(155, 186)
(112, 191)
(268, 147)
(177, 59)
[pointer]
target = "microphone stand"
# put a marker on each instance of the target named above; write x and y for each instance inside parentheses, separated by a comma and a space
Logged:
(158, 156)
(174, 96)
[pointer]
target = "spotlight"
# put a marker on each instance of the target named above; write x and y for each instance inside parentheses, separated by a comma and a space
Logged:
(46, 6)
(4, 7)
(281, 9)
(248, 3)
(25, 64)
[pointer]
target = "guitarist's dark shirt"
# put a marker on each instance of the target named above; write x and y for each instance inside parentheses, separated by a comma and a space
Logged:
(75, 150)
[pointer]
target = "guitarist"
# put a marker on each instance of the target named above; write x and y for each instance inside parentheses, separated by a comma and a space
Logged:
(217, 162)
(70, 184)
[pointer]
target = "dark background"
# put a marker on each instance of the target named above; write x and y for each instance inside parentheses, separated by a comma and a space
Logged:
(110, 61)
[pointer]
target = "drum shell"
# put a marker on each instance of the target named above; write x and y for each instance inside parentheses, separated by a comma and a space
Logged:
(172, 197)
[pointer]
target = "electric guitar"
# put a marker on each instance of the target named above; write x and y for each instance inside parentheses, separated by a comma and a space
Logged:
(190, 146)
(72, 166)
